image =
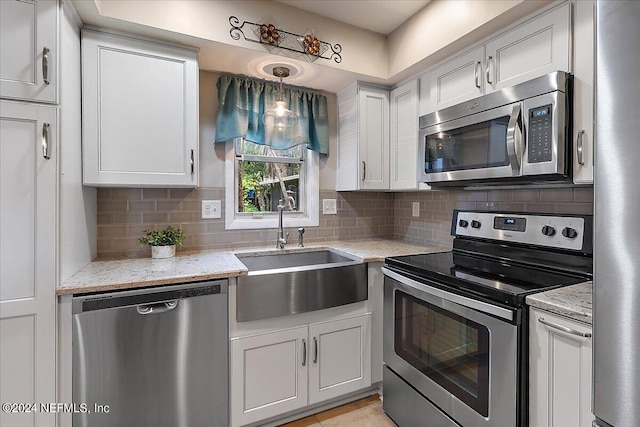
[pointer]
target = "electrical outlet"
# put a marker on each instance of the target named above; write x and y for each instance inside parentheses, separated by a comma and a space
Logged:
(415, 211)
(211, 209)
(329, 207)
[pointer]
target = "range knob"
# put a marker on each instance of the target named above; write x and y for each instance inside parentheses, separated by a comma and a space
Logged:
(570, 233)
(463, 223)
(475, 224)
(548, 230)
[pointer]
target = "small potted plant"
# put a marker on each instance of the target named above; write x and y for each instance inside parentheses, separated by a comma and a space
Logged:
(163, 243)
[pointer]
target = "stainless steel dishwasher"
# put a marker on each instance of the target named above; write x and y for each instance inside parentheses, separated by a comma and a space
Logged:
(152, 357)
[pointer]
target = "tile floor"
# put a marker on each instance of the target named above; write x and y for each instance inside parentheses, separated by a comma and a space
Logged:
(365, 412)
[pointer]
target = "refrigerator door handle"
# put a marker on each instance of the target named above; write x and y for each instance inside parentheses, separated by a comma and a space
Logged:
(564, 328)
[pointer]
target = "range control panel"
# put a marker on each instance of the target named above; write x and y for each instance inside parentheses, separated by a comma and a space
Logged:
(563, 232)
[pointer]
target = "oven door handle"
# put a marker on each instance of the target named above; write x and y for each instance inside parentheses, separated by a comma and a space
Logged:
(481, 306)
(515, 140)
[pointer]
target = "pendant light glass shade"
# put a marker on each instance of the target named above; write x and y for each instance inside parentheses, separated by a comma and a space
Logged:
(279, 117)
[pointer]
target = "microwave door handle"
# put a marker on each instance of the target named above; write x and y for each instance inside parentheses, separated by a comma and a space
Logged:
(515, 141)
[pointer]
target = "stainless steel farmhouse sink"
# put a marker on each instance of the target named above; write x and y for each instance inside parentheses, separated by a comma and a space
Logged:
(284, 283)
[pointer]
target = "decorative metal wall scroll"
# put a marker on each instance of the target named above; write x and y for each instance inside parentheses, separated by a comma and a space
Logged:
(283, 42)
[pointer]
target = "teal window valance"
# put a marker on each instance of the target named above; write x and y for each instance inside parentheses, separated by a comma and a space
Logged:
(243, 101)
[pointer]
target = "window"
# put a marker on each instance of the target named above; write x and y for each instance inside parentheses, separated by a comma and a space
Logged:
(258, 178)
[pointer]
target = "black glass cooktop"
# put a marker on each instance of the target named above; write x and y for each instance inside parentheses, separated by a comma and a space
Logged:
(493, 279)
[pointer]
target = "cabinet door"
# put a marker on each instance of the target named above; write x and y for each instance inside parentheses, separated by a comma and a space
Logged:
(340, 357)
(373, 138)
(559, 372)
(27, 260)
(404, 137)
(457, 80)
(268, 375)
(534, 48)
(140, 113)
(28, 50)
(583, 92)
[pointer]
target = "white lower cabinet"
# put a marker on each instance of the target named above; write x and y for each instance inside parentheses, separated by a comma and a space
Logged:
(340, 357)
(560, 371)
(278, 372)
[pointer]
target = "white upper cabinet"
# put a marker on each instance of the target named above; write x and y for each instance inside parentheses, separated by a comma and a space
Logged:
(532, 48)
(363, 139)
(404, 136)
(583, 92)
(457, 80)
(28, 50)
(140, 112)
(539, 46)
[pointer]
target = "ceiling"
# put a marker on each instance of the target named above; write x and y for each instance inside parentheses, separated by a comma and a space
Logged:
(380, 16)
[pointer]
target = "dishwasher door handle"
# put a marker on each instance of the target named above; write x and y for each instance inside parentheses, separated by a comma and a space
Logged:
(158, 308)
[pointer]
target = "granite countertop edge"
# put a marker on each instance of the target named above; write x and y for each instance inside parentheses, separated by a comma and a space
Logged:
(122, 274)
(573, 302)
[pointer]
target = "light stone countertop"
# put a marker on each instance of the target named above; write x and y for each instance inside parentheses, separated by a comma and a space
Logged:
(573, 301)
(121, 274)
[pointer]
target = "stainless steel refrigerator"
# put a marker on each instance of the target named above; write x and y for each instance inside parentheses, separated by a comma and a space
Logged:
(616, 319)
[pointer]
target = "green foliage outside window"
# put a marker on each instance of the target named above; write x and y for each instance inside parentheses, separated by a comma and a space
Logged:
(262, 182)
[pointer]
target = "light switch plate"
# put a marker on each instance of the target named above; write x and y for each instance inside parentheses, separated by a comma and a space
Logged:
(329, 207)
(211, 209)
(415, 209)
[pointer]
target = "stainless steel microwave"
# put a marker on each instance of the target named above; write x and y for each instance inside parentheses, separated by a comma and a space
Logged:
(517, 135)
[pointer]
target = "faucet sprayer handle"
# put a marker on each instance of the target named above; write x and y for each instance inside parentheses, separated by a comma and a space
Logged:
(300, 233)
(301, 230)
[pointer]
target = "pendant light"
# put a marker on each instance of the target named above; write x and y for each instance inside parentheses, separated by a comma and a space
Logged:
(279, 117)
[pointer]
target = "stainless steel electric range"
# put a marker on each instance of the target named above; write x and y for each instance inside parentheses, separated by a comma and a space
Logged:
(455, 323)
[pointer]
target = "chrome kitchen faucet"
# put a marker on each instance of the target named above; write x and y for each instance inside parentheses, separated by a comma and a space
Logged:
(281, 238)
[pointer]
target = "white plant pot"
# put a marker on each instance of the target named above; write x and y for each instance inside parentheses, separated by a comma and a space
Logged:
(163, 251)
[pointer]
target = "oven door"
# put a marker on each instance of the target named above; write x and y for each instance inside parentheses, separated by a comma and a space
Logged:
(485, 145)
(454, 350)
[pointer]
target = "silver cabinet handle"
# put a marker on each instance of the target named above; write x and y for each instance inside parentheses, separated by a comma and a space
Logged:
(564, 328)
(192, 163)
(476, 73)
(304, 352)
(162, 307)
(45, 65)
(315, 350)
(364, 170)
(45, 141)
(489, 59)
(579, 147)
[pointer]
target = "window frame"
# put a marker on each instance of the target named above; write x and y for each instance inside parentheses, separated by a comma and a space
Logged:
(309, 203)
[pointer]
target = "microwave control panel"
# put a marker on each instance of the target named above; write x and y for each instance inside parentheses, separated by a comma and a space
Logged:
(540, 134)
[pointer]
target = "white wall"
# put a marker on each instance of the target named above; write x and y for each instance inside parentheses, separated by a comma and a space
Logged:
(209, 20)
(78, 208)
